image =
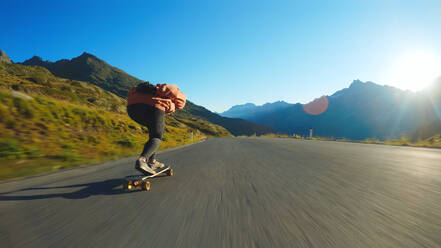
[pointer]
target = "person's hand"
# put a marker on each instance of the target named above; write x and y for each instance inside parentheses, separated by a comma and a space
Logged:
(171, 108)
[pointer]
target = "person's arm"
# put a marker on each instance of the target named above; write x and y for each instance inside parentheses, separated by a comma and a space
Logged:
(173, 93)
(166, 104)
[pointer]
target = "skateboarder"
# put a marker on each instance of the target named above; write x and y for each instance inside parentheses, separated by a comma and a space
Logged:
(147, 104)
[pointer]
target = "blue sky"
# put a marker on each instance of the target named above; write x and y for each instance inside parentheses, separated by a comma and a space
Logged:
(223, 53)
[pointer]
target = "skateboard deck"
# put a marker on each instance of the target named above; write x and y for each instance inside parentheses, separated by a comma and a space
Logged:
(140, 181)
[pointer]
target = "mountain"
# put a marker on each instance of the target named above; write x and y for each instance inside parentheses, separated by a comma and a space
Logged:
(234, 125)
(426, 130)
(430, 127)
(363, 110)
(4, 57)
(248, 110)
(239, 110)
(89, 68)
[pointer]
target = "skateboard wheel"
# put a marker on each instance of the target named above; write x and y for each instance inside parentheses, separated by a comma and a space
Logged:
(145, 185)
(129, 182)
(136, 183)
(129, 186)
(170, 172)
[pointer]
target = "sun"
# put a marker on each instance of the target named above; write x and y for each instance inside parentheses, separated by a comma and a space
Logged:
(415, 70)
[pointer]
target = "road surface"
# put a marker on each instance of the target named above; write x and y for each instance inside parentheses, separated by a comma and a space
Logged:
(237, 192)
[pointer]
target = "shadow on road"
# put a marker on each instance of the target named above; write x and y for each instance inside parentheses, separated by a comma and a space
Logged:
(107, 187)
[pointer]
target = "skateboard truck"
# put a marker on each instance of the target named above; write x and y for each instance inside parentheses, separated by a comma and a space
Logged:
(134, 182)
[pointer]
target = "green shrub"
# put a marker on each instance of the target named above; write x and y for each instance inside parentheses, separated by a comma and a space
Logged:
(79, 111)
(33, 152)
(127, 142)
(67, 146)
(10, 149)
(5, 114)
(10, 124)
(23, 107)
(68, 155)
(39, 78)
(92, 140)
(54, 114)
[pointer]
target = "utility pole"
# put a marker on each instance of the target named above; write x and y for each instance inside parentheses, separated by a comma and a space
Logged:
(310, 133)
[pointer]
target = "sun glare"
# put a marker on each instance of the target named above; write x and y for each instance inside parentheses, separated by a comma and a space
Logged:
(415, 71)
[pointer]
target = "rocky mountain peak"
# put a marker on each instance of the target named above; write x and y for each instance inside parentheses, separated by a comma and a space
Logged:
(86, 55)
(356, 83)
(35, 60)
(4, 57)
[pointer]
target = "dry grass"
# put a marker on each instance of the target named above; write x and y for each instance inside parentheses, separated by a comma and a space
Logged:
(432, 142)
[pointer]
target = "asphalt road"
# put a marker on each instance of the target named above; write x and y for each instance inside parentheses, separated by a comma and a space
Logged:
(240, 192)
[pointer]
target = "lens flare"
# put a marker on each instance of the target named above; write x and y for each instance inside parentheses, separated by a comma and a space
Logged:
(316, 107)
(415, 70)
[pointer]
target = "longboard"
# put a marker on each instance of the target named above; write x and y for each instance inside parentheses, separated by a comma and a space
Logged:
(140, 181)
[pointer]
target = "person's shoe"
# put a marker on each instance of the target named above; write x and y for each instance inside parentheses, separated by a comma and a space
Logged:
(142, 166)
(155, 164)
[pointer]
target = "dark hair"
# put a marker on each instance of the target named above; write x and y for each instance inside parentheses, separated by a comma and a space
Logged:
(146, 88)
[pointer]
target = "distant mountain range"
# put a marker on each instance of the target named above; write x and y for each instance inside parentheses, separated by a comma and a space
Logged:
(89, 68)
(250, 110)
(235, 126)
(364, 110)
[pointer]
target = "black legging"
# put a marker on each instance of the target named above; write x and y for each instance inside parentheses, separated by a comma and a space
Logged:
(153, 119)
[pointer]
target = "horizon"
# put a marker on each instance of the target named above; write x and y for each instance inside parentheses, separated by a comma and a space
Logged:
(257, 105)
(238, 50)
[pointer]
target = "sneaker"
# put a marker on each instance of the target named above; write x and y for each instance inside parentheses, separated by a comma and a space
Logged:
(155, 164)
(142, 166)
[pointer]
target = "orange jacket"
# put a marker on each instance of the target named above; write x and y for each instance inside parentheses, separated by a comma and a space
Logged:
(168, 98)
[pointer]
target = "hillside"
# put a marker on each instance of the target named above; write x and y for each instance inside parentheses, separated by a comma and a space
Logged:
(426, 130)
(363, 110)
(48, 123)
(434, 141)
(91, 69)
(430, 127)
